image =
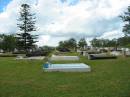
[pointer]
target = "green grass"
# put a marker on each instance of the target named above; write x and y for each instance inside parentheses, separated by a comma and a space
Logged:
(109, 78)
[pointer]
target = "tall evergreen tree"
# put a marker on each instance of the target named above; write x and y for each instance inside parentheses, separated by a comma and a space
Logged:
(26, 24)
(126, 20)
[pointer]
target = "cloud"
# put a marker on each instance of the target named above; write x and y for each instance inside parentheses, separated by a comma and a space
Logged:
(44, 39)
(62, 19)
(113, 34)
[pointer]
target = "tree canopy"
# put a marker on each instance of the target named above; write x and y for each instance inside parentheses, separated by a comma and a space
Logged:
(70, 44)
(7, 42)
(82, 43)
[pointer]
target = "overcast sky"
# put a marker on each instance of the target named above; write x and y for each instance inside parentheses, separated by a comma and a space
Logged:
(62, 19)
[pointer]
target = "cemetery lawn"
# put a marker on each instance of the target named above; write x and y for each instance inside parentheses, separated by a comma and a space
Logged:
(24, 78)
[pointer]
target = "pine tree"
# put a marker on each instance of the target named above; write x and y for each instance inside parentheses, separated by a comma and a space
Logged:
(26, 24)
(126, 27)
(126, 20)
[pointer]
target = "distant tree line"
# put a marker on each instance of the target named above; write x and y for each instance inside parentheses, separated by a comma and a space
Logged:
(71, 44)
(8, 43)
(120, 42)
